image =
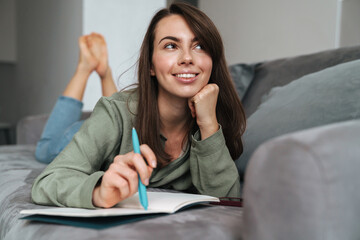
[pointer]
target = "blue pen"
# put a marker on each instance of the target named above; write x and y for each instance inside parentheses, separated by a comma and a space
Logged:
(141, 188)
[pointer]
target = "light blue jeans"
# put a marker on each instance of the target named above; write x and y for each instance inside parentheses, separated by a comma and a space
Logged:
(64, 121)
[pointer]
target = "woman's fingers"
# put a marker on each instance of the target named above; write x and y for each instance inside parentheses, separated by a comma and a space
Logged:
(203, 107)
(121, 180)
(130, 177)
(112, 190)
(149, 155)
(204, 103)
(137, 162)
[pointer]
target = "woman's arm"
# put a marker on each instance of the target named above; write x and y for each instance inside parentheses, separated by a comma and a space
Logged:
(213, 171)
(89, 172)
(70, 179)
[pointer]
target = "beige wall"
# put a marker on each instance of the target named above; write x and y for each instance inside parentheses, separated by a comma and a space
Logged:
(349, 23)
(256, 30)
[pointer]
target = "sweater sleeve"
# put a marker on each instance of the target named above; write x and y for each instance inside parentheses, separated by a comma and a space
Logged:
(70, 179)
(213, 171)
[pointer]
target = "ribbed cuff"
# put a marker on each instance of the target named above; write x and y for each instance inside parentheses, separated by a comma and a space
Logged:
(209, 145)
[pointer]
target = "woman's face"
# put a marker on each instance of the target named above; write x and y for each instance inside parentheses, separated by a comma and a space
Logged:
(179, 63)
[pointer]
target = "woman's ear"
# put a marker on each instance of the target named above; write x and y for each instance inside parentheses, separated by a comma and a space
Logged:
(152, 72)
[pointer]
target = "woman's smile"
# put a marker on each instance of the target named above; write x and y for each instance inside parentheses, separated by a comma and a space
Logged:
(186, 78)
(180, 64)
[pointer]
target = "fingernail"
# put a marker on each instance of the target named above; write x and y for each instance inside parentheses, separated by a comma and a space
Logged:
(146, 181)
(154, 164)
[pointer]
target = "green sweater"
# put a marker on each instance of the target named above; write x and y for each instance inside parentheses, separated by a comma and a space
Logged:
(206, 167)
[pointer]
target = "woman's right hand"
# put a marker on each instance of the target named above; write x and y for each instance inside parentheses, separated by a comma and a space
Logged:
(120, 181)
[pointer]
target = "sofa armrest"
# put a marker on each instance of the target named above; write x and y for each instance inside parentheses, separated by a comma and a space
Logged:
(29, 129)
(305, 185)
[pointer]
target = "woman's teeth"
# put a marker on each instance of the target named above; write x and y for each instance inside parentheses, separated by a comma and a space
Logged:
(186, 75)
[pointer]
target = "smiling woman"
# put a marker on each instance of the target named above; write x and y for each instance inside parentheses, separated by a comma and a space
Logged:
(181, 66)
(185, 109)
(200, 33)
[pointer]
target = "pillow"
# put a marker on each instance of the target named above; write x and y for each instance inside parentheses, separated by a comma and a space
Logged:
(328, 96)
(282, 71)
(242, 75)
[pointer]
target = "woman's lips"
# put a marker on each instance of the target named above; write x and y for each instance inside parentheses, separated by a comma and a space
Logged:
(186, 77)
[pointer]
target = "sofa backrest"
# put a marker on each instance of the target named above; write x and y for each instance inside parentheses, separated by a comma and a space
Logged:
(269, 74)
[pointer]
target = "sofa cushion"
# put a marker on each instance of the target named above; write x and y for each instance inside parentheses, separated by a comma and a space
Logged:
(305, 185)
(328, 96)
(281, 72)
(242, 76)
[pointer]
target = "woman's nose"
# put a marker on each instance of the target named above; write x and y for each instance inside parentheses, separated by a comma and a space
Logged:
(185, 58)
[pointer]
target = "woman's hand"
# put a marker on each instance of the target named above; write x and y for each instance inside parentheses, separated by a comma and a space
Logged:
(120, 181)
(203, 107)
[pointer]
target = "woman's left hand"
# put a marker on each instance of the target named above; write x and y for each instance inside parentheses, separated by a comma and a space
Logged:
(203, 107)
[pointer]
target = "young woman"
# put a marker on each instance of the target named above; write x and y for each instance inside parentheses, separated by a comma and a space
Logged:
(185, 109)
(64, 120)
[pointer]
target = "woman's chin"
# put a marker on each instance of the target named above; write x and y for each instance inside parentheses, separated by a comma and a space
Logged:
(182, 92)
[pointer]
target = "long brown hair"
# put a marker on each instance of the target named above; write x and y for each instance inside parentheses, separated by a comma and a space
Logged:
(229, 111)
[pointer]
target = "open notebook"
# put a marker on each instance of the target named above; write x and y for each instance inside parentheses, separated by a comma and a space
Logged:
(159, 202)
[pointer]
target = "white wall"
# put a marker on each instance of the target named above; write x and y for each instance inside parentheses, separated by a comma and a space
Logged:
(123, 24)
(256, 30)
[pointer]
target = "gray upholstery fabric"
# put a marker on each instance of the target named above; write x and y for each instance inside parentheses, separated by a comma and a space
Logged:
(18, 171)
(242, 76)
(305, 185)
(280, 72)
(29, 129)
(328, 96)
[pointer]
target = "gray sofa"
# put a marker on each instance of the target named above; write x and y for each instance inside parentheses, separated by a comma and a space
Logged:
(302, 142)
(299, 166)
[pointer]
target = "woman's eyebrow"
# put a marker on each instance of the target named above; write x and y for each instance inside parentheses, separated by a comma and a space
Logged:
(175, 39)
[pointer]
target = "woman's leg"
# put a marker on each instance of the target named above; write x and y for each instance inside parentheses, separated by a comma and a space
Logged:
(62, 124)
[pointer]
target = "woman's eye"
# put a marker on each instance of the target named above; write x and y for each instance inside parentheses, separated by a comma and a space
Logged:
(170, 46)
(199, 47)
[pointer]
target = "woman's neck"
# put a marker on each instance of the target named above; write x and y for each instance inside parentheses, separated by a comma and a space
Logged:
(174, 114)
(174, 118)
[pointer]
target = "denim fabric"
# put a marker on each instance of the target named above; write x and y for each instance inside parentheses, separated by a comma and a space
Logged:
(64, 121)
